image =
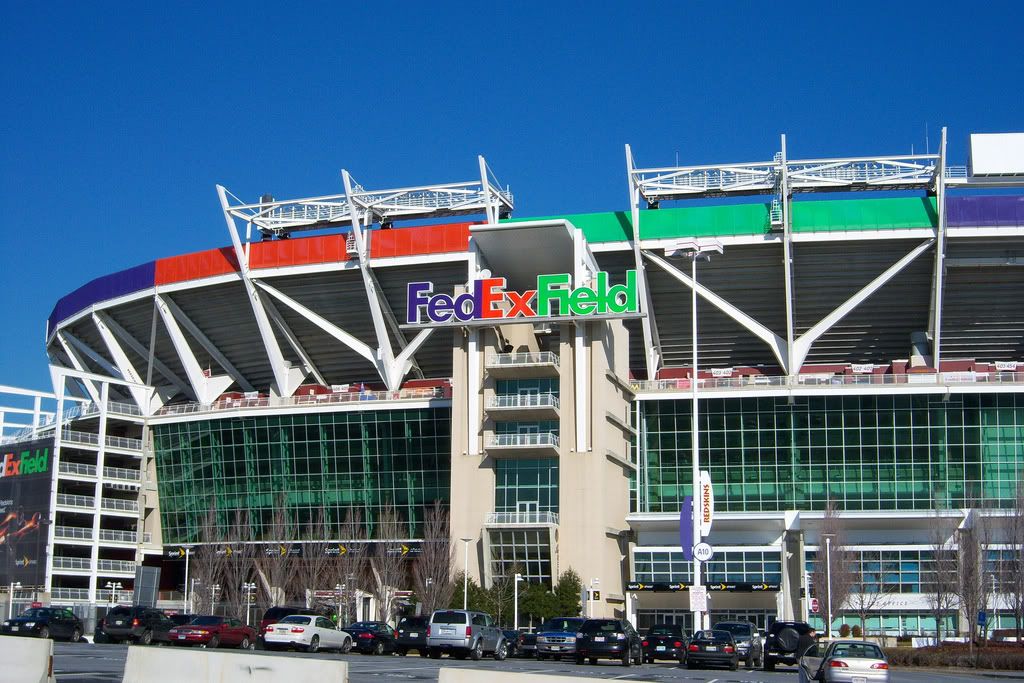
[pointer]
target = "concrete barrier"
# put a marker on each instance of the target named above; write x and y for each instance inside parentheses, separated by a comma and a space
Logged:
(28, 660)
(188, 665)
(461, 675)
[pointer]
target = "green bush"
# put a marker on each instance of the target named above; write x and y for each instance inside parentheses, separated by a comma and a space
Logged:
(844, 631)
(996, 657)
(856, 632)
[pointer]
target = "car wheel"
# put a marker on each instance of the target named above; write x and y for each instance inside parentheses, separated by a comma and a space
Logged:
(347, 646)
(378, 648)
(579, 659)
(214, 643)
(593, 661)
(734, 664)
(246, 644)
(541, 657)
(423, 653)
(639, 659)
(76, 636)
(146, 638)
(400, 651)
(435, 653)
(627, 657)
(769, 664)
(477, 652)
(314, 644)
(501, 651)
(44, 632)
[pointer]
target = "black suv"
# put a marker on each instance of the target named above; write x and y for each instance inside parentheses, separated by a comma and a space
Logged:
(783, 643)
(412, 635)
(140, 625)
(45, 622)
(609, 639)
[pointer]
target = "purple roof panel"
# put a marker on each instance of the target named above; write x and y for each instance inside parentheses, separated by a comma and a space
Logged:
(101, 289)
(985, 212)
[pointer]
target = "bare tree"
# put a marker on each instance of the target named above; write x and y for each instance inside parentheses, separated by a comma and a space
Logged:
(237, 568)
(973, 586)
(313, 569)
(833, 578)
(275, 561)
(869, 592)
(387, 564)
(349, 559)
(1011, 565)
(205, 564)
(941, 584)
(432, 573)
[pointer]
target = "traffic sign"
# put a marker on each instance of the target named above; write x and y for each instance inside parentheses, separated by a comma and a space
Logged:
(699, 599)
(982, 618)
(703, 552)
(815, 605)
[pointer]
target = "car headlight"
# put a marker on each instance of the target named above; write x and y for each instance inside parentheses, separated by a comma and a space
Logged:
(542, 639)
(29, 624)
(570, 639)
(7, 623)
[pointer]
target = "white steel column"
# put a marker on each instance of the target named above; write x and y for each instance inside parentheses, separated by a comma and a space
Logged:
(94, 552)
(940, 252)
(652, 342)
(155, 363)
(698, 621)
(791, 366)
(78, 364)
(206, 387)
(309, 367)
(123, 363)
(60, 388)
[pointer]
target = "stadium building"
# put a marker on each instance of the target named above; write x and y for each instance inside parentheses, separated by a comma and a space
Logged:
(855, 324)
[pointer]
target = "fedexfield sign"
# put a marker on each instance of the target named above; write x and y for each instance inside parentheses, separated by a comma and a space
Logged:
(489, 302)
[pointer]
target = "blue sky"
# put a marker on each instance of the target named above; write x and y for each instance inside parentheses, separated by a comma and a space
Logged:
(117, 121)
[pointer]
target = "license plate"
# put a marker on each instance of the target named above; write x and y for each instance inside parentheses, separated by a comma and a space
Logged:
(181, 637)
(15, 628)
(414, 635)
(556, 647)
(281, 630)
(599, 639)
(660, 648)
(448, 631)
(711, 648)
(860, 679)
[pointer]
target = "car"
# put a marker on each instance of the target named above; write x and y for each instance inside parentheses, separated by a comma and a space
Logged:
(306, 632)
(557, 637)
(412, 635)
(608, 639)
(664, 641)
(844, 661)
(748, 640)
(213, 631)
(279, 612)
(511, 641)
(464, 633)
(138, 625)
(527, 645)
(783, 641)
(712, 648)
(45, 622)
(181, 619)
(372, 637)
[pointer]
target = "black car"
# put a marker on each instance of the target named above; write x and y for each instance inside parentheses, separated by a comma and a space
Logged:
(141, 625)
(608, 639)
(527, 645)
(665, 641)
(45, 622)
(712, 648)
(748, 640)
(512, 638)
(412, 635)
(372, 637)
(783, 643)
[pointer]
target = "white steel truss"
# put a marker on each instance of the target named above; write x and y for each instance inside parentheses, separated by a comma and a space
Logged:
(143, 397)
(157, 364)
(648, 324)
(207, 387)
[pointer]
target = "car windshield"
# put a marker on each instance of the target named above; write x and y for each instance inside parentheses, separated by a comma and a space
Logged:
(735, 629)
(567, 625)
(595, 626)
(712, 635)
(365, 625)
(36, 613)
(449, 618)
(295, 619)
(857, 651)
(208, 621)
(665, 630)
(412, 622)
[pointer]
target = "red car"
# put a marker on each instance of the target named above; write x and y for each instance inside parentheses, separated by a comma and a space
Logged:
(210, 631)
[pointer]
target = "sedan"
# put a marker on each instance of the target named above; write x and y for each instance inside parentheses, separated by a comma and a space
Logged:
(210, 631)
(844, 661)
(665, 641)
(716, 648)
(306, 632)
(45, 622)
(372, 637)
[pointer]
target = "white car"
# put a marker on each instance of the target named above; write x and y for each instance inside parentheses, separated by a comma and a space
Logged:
(306, 632)
(844, 661)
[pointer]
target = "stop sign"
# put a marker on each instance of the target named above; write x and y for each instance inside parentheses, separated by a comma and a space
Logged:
(815, 607)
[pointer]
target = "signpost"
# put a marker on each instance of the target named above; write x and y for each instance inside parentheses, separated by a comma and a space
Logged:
(699, 599)
(815, 605)
(703, 552)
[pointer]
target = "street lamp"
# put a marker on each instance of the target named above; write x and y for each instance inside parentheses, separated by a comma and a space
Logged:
(339, 590)
(15, 585)
(248, 587)
(465, 574)
(213, 595)
(185, 601)
(190, 606)
(828, 586)
(695, 250)
(515, 622)
(113, 587)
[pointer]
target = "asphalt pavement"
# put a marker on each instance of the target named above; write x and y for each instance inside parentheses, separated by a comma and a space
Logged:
(90, 663)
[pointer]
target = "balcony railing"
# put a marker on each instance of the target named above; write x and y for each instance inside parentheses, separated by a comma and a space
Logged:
(518, 360)
(121, 473)
(60, 593)
(522, 518)
(91, 439)
(546, 400)
(541, 439)
(828, 379)
(117, 536)
(107, 595)
(120, 566)
(77, 533)
(115, 407)
(73, 501)
(77, 468)
(76, 563)
(119, 505)
(334, 398)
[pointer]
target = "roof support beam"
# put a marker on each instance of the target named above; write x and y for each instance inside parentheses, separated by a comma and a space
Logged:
(389, 317)
(78, 363)
(652, 341)
(403, 361)
(803, 344)
(286, 378)
(141, 396)
(158, 365)
(939, 272)
(293, 340)
(792, 367)
(206, 386)
(204, 341)
(776, 343)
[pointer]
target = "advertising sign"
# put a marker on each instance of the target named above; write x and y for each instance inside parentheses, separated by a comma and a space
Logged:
(707, 503)
(25, 476)
(489, 303)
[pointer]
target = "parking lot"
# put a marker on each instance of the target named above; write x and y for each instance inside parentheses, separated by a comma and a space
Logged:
(89, 663)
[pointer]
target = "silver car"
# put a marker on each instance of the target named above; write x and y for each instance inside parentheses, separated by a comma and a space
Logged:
(844, 661)
(464, 633)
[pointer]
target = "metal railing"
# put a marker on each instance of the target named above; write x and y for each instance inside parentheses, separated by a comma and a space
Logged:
(122, 473)
(827, 379)
(69, 500)
(117, 536)
(123, 566)
(341, 397)
(60, 593)
(77, 563)
(107, 595)
(545, 400)
(77, 533)
(78, 468)
(536, 439)
(91, 439)
(89, 409)
(510, 360)
(524, 518)
(119, 505)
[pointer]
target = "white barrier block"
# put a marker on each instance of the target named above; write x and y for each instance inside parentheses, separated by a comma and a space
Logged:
(190, 665)
(26, 659)
(461, 675)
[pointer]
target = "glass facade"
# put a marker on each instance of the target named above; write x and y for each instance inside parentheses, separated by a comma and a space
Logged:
(865, 452)
(526, 485)
(729, 566)
(890, 571)
(325, 461)
(523, 551)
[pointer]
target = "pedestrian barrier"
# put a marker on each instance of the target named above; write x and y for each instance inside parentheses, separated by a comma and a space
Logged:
(187, 665)
(460, 675)
(27, 660)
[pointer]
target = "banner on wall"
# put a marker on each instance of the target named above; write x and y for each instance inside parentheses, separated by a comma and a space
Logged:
(25, 478)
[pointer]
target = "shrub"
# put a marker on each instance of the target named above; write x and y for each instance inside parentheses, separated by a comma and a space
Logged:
(844, 631)
(997, 657)
(856, 632)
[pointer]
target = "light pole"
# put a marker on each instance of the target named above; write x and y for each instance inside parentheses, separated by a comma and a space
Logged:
(515, 592)
(15, 585)
(192, 594)
(248, 587)
(695, 250)
(113, 587)
(828, 586)
(213, 595)
(465, 574)
(339, 590)
(184, 603)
